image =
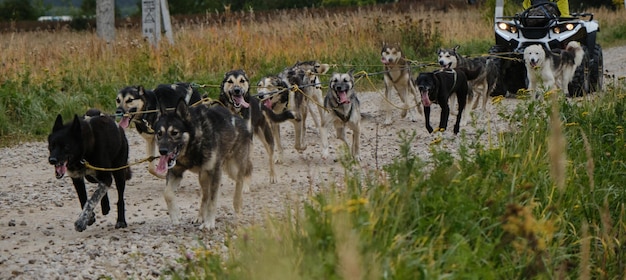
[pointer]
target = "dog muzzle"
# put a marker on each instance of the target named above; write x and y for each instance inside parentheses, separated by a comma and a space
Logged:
(239, 101)
(342, 97)
(60, 168)
(167, 161)
(125, 117)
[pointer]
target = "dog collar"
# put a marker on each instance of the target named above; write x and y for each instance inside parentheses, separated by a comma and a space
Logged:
(452, 71)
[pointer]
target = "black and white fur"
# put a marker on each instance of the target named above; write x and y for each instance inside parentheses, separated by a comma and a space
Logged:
(398, 77)
(208, 141)
(97, 140)
(139, 106)
(235, 95)
(552, 70)
(343, 110)
(483, 86)
(438, 86)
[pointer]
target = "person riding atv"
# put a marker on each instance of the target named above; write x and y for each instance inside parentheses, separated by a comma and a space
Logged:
(551, 25)
(562, 5)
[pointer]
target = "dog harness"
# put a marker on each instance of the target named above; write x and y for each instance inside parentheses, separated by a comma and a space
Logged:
(344, 118)
(395, 81)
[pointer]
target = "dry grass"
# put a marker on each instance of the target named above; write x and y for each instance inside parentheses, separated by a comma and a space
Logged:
(203, 50)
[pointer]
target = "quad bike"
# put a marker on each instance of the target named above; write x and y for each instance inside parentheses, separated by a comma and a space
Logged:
(541, 24)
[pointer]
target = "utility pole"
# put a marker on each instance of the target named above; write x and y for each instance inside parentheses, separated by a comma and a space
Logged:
(105, 19)
(154, 15)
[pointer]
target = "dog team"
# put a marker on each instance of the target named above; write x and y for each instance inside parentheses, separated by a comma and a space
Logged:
(210, 138)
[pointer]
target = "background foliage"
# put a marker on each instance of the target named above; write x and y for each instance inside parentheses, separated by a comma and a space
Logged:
(15, 10)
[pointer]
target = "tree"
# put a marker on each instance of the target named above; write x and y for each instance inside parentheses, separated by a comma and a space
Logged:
(17, 10)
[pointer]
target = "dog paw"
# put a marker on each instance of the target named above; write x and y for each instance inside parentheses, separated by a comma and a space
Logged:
(246, 187)
(92, 219)
(207, 225)
(83, 221)
(403, 113)
(300, 148)
(278, 159)
(120, 225)
(175, 217)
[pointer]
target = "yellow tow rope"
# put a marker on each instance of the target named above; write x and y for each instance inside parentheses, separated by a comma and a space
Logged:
(88, 165)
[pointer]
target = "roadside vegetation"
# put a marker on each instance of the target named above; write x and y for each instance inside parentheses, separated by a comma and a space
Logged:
(545, 202)
(542, 203)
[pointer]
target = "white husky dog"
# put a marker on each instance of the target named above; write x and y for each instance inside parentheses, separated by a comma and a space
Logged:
(552, 70)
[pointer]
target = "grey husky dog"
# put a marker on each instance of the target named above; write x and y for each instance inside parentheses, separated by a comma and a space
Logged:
(207, 141)
(343, 110)
(398, 77)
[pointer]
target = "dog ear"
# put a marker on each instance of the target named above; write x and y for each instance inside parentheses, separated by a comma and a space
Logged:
(323, 68)
(141, 90)
(182, 109)
(76, 129)
(351, 72)
(58, 123)
(456, 48)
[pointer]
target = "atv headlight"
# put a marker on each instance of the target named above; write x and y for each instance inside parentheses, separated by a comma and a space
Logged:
(564, 27)
(506, 27)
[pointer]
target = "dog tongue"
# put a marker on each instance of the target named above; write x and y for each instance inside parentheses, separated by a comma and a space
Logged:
(343, 97)
(162, 166)
(267, 103)
(241, 101)
(384, 61)
(124, 122)
(60, 170)
(425, 99)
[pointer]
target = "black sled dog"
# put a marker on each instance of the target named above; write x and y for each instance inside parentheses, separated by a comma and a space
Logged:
(437, 87)
(96, 140)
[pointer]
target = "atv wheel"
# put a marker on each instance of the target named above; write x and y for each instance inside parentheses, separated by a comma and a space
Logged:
(596, 69)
